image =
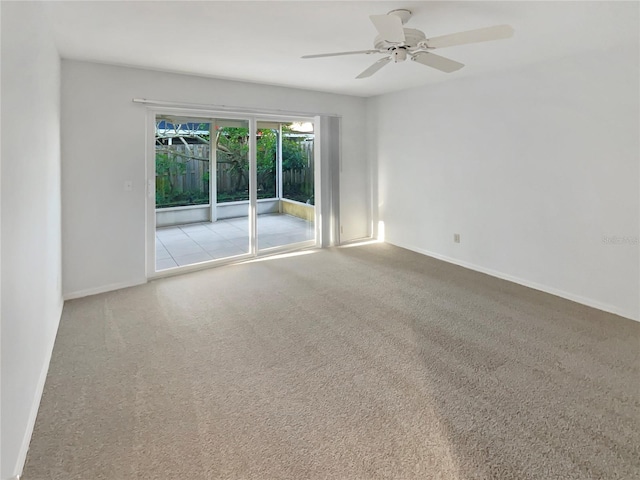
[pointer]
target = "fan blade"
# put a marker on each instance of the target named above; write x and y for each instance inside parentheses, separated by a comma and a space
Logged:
(375, 67)
(436, 61)
(320, 55)
(471, 36)
(389, 27)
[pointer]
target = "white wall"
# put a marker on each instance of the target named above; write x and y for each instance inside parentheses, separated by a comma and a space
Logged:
(103, 142)
(31, 265)
(534, 167)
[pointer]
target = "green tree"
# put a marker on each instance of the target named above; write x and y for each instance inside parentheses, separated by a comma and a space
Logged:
(232, 145)
(232, 149)
(168, 166)
(267, 145)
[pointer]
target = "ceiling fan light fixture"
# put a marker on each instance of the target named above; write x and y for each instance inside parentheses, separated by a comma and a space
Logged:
(399, 54)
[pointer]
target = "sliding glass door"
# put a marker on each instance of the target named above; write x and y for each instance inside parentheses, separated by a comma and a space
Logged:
(202, 210)
(229, 188)
(285, 181)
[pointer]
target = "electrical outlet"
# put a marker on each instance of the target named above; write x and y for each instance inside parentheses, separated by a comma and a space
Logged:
(456, 238)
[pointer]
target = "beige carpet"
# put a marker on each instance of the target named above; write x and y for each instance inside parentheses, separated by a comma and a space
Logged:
(355, 363)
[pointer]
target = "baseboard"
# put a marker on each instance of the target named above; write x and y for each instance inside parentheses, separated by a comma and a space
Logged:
(35, 406)
(526, 283)
(103, 289)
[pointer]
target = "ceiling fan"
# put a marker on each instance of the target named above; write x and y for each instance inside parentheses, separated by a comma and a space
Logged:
(398, 43)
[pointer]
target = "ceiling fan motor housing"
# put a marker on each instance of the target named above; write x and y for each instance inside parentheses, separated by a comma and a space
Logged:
(412, 38)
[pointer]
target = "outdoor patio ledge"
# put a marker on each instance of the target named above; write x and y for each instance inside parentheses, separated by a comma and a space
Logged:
(166, 217)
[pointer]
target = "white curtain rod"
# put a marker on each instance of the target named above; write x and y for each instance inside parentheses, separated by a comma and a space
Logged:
(227, 109)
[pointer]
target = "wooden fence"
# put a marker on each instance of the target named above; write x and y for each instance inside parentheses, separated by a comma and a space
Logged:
(186, 175)
(194, 175)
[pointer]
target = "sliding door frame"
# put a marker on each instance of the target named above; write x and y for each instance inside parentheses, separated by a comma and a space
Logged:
(212, 115)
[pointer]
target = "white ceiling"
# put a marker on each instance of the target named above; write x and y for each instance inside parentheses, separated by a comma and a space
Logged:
(263, 41)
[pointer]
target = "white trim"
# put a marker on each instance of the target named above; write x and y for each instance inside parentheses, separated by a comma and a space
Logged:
(35, 406)
(213, 177)
(279, 161)
(106, 288)
(253, 186)
(150, 198)
(527, 283)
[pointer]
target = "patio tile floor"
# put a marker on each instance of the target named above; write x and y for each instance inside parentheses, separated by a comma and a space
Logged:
(199, 242)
